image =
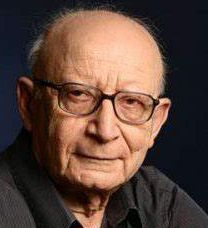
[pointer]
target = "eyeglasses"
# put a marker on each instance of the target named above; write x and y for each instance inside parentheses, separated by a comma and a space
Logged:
(81, 100)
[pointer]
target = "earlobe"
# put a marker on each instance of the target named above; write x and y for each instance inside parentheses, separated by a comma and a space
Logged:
(159, 118)
(24, 92)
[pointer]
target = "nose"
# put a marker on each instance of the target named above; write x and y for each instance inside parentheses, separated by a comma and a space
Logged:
(104, 125)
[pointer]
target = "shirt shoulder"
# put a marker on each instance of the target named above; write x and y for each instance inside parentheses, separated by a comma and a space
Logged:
(160, 199)
(14, 211)
(152, 178)
(6, 178)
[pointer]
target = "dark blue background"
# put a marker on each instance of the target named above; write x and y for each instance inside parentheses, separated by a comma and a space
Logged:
(181, 151)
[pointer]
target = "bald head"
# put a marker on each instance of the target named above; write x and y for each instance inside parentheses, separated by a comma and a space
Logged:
(96, 34)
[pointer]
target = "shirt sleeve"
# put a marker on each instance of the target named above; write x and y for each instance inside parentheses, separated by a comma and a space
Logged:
(186, 213)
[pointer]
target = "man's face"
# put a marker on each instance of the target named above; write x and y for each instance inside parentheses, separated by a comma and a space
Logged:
(97, 151)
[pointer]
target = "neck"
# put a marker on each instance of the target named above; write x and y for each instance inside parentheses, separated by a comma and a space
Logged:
(87, 206)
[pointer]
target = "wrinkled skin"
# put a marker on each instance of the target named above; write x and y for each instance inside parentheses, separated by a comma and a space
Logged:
(95, 153)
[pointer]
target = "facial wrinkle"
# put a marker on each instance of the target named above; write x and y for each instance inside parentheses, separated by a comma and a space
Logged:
(89, 68)
(100, 60)
(82, 70)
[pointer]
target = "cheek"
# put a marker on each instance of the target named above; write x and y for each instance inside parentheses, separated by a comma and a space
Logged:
(138, 143)
(138, 137)
(55, 136)
(63, 132)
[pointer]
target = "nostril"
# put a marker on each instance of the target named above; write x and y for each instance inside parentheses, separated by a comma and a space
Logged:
(99, 135)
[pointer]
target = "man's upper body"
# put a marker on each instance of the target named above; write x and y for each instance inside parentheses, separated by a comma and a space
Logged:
(29, 198)
(92, 110)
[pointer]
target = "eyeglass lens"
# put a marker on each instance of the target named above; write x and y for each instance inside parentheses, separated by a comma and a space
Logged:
(82, 100)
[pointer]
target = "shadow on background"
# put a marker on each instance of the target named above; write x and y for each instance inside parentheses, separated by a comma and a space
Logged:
(181, 149)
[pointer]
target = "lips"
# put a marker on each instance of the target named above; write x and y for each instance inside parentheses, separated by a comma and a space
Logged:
(96, 154)
(101, 158)
(108, 152)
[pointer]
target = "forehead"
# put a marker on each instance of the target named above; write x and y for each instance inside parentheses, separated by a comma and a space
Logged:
(102, 50)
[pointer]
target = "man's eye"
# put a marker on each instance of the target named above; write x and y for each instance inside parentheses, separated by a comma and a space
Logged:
(132, 102)
(77, 93)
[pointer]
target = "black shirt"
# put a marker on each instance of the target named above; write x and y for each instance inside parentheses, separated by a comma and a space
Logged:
(29, 199)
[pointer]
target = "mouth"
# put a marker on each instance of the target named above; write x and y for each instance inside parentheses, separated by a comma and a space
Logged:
(98, 158)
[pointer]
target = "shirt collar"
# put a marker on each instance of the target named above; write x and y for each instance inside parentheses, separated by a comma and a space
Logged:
(122, 205)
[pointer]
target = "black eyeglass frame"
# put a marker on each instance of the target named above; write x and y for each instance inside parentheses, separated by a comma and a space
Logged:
(103, 96)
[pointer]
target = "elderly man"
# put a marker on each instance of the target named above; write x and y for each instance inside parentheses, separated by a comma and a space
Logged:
(90, 113)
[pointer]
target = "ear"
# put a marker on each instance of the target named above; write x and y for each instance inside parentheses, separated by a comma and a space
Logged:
(159, 117)
(24, 92)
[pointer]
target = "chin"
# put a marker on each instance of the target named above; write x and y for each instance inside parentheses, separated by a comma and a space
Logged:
(100, 182)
